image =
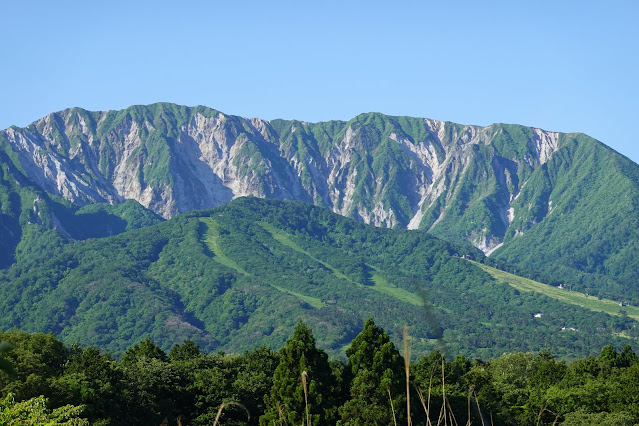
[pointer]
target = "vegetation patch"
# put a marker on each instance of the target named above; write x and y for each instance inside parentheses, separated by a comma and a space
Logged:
(284, 239)
(573, 297)
(380, 284)
(313, 301)
(212, 241)
(383, 286)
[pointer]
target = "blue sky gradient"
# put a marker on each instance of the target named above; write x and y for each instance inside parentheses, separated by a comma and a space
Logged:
(564, 66)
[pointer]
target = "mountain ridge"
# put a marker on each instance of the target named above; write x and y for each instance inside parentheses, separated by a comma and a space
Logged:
(498, 187)
(100, 123)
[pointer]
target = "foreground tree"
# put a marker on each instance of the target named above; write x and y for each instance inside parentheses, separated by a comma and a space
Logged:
(188, 350)
(94, 380)
(303, 388)
(145, 350)
(376, 369)
(35, 411)
(153, 385)
(35, 359)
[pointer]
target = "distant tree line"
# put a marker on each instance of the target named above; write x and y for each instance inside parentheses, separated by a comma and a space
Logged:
(50, 383)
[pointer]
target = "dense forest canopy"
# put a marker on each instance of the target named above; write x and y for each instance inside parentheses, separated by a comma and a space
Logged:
(243, 274)
(56, 384)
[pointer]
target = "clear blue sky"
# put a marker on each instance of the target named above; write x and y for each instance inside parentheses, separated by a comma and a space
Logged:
(559, 65)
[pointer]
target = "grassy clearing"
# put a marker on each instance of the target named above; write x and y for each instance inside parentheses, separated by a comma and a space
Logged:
(573, 297)
(381, 285)
(211, 239)
(313, 301)
(283, 239)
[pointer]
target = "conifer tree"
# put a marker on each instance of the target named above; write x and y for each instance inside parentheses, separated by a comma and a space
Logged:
(287, 402)
(186, 351)
(376, 369)
(146, 349)
(627, 357)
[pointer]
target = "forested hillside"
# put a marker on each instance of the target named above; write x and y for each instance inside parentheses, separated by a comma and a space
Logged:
(243, 274)
(300, 384)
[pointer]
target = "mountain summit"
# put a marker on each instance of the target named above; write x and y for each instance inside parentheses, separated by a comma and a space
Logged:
(563, 204)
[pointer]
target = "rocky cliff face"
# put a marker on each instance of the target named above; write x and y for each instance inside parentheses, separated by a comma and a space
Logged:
(461, 182)
(562, 204)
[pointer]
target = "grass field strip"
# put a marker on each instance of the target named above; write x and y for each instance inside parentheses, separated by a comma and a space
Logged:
(211, 239)
(381, 285)
(568, 296)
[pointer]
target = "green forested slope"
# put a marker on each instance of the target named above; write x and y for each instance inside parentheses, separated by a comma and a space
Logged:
(582, 228)
(245, 273)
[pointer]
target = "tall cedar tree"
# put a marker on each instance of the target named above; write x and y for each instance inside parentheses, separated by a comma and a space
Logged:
(377, 372)
(286, 402)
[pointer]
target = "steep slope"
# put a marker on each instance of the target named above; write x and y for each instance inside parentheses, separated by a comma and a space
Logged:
(243, 274)
(505, 189)
(33, 220)
(387, 171)
(580, 216)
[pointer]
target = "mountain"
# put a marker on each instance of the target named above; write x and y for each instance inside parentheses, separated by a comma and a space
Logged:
(244, 273)
(33, 220)
(560, 205)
